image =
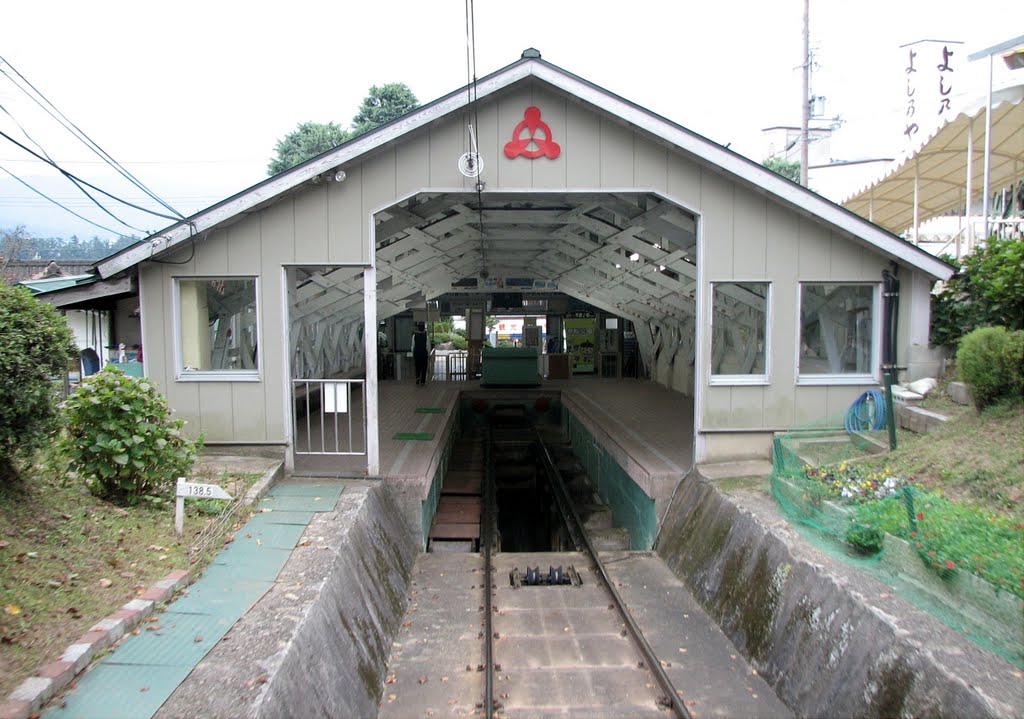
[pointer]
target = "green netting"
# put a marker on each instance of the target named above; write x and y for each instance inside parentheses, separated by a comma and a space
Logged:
(959, 563)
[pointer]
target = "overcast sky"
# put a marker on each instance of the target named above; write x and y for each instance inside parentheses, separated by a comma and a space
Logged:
(192, 96)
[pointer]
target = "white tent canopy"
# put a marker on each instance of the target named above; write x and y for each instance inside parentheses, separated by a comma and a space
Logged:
(937, 177)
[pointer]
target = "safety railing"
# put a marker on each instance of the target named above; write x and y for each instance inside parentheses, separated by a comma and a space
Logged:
(330, 416)
(456, 366)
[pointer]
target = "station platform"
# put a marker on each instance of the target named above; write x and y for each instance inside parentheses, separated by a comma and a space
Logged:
(646, 428)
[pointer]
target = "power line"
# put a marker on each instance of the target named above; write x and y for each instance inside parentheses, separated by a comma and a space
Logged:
(77, 180)
(80, 135)
(63, 207)
(50, 161)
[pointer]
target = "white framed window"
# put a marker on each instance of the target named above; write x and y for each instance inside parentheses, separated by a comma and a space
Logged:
(217, 333)
(840, 333)
(740, 332)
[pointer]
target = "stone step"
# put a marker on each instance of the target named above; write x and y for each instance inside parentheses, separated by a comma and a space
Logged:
(615, 539)
(595, 516)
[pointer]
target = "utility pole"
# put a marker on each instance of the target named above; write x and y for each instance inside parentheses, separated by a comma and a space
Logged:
(805, 114)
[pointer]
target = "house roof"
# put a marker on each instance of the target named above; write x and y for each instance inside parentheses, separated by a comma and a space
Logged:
(530, 65)
(940, 165)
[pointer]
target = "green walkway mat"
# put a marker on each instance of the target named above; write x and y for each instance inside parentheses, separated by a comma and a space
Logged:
(133, 681)
(429, 410)
(414, 435)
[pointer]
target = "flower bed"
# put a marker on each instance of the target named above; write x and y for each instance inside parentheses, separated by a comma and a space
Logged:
(949, 536)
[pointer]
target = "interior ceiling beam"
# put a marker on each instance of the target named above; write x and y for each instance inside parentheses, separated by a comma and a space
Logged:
(575, 240)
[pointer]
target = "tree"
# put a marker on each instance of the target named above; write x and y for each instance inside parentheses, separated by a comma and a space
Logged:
(988, 291)
(35, 346)
(308, 140)
(382, 105)
(11, 243)
(790, 169)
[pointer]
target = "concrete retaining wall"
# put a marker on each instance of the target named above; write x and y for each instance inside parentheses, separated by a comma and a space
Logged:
(830, 640)
(317, 644)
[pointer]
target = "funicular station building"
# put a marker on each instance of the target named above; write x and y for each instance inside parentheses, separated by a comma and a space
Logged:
(756, 305)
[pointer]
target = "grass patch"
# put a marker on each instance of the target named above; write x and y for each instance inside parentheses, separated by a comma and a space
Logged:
(974, 458)
(68, 559)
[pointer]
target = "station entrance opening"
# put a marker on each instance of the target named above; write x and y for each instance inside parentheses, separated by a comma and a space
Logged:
(625, 260)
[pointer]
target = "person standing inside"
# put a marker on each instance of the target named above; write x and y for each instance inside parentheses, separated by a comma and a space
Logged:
(419, 353)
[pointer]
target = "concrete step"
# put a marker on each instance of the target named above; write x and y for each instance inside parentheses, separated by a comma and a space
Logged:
(610, 540)
(595, 516)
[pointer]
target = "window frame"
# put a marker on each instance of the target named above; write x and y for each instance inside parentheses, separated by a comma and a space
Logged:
(756, 380)
(861, 378)
(215, 375)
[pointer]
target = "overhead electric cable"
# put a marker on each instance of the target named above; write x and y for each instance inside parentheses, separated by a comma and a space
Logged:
(50, 199)
(474, 114)
(74, 178)
(85, 139)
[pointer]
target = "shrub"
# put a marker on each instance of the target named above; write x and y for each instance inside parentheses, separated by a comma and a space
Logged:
(982, 362)
(865, 538)
(121, 438)
(1013, 363)
(35, 346)
(988, 290)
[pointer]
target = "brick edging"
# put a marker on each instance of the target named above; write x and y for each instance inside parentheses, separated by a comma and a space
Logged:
(30, 696)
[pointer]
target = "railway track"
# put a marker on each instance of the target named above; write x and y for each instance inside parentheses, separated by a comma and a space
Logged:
(599, 664)
(533, 620)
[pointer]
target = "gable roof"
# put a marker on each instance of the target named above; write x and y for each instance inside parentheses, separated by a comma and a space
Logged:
(529, 65)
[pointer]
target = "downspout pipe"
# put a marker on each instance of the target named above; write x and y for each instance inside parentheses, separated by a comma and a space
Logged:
(890, 326)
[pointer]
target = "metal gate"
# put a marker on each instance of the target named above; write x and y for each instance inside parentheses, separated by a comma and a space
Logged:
(330, 416)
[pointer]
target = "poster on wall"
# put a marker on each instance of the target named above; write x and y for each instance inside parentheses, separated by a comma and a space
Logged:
(580, 331)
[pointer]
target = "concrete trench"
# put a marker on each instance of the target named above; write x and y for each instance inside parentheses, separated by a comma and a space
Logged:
(831, 642)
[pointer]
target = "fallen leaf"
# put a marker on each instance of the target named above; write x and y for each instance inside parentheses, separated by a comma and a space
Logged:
(390, 679)
(127, 575)
(143, 689)
(104, 583)
(259, 541)
(3, 543)
(12, 609)
(155, 548)
(423, 680)
(392, 697)
(305, 543)
(155, 628)
(55, 584)
(291, 596)
(198, 639)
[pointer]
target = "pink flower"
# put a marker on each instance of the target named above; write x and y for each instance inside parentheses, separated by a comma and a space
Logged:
(920, 515)
(950, 564)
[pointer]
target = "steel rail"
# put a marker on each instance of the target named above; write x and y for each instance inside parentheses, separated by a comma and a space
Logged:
(487, 541)
(579, 535)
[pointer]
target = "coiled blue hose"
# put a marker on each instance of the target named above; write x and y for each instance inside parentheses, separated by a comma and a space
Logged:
(866, 412)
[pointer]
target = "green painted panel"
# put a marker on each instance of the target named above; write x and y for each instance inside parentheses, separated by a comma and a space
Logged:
(299, 503)
(175, 640)
(112, 691)
(630, 505)
(306, 489)
(414, 435)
